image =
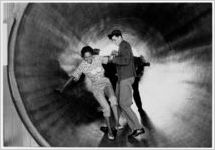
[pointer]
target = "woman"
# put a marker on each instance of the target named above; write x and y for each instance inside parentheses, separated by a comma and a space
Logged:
(92, 67)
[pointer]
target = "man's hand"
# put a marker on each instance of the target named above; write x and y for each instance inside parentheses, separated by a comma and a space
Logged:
(110, 58)
(114, 53)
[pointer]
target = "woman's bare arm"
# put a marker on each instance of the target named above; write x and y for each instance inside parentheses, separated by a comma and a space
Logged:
(66, 84)
(74, 77)
(105, 59)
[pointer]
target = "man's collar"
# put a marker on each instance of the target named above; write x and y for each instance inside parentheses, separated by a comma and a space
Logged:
(122, 42)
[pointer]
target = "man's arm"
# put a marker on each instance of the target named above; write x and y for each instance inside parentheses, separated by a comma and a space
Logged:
(124, 56)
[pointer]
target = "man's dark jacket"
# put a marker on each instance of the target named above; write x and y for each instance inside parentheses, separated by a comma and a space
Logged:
(124, 61)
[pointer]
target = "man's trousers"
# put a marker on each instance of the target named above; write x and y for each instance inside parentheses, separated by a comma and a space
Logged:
(124, 96)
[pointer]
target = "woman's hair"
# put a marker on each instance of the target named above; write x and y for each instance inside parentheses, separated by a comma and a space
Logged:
(85, 50)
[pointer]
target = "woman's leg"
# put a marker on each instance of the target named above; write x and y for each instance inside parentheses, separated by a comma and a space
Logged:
(107, 119)
(113, 101)
(99, 95)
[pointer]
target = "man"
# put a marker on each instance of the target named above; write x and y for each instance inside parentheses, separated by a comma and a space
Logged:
(126, 73)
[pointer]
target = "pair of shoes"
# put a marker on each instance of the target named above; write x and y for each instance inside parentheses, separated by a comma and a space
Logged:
(136, 132)
(105, 130)
(111, 137)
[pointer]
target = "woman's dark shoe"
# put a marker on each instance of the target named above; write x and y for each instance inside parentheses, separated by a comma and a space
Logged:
(105, 129)
(111, 137)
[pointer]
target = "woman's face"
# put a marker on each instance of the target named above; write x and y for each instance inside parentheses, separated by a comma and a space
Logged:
(88, 57)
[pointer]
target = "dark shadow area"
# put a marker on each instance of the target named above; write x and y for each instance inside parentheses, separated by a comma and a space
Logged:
(81, 102)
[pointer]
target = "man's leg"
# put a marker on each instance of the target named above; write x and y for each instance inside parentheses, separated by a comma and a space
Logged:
(131, 117)
(126, 102)
(120, 112)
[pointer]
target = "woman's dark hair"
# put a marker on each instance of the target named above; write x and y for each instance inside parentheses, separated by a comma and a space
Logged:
(85, 50)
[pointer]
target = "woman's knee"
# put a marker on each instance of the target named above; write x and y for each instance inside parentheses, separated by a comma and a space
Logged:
(106, 111)
(113, 100)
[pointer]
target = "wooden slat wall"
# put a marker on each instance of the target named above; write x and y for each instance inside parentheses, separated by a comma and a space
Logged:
(14, 132)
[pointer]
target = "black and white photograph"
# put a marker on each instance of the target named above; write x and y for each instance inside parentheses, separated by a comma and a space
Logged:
(107, 74)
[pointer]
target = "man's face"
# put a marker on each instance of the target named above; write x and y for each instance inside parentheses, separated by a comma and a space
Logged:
(117, 40)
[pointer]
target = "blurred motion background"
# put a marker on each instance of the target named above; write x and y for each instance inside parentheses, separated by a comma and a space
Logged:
(176, 90)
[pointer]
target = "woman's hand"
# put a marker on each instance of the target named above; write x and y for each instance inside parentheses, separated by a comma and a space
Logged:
(74, 79)
(59, 90)
(114, 53)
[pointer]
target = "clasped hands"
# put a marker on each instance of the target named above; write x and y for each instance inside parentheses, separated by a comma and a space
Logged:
(113, 54)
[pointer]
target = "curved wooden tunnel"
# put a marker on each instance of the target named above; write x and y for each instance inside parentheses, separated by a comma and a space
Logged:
(46, 31)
